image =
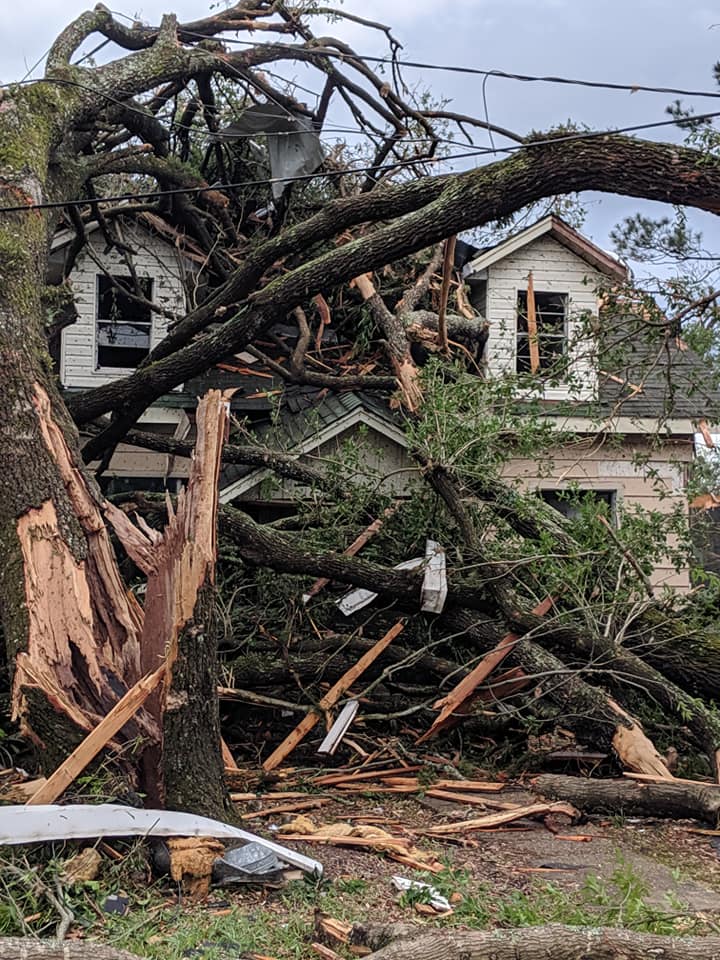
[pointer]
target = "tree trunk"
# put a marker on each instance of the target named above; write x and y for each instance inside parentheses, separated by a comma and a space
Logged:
(20, 948)
(671, 800)
(192, 759)
(71, 629)
(73, 633)
(540, 943)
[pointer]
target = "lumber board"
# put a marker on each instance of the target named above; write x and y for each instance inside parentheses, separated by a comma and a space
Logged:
(86, 751)
(331, 698)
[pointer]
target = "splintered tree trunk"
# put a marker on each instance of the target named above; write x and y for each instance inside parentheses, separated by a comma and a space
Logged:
(71, 630)
(76, 640)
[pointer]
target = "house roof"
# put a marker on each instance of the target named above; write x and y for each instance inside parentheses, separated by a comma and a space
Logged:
(559, 230)
(305, 429)
(657, 378)
(180, 242)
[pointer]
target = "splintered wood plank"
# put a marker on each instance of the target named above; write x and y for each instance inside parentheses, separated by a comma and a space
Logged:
(532, 326)
(354, 548)
(331, 698)
(89, 748)
(507, 816)
(467, 686)
(469, 799)
(310, 804)
(332, 779)
(448, 259)
(228, 758)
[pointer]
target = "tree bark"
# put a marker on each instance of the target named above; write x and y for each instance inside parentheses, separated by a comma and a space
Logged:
(540, 943)
(25, 948)
(672, 801)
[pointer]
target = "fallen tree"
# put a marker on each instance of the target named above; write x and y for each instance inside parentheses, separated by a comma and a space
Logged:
(679, 800)
(76, 639)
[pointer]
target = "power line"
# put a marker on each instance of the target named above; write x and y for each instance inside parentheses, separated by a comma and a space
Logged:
(479, 72)
(565, 138)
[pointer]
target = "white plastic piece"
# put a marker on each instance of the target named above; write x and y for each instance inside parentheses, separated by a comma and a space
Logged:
(45, 822)
(434, 588)
(437, 900)
(338, 730)
(355, 600)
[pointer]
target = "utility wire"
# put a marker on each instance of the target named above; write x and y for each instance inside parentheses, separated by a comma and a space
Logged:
(479, 72)
(566, 138)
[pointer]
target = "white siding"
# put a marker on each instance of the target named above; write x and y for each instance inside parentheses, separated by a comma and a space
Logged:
(154, 258)
(555, 269)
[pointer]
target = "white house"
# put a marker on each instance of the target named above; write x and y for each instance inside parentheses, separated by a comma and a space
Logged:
(549, 264)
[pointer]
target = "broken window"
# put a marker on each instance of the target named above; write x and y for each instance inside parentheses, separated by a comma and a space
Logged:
(570, 502)
(123, 324)
(551, 327)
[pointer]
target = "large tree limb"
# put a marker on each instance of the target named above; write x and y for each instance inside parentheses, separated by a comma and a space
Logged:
(558, 942)
(655, 171)
(669, 800)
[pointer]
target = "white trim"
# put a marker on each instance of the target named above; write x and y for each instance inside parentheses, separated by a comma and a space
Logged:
(513, 243)
(675, 427)
(355, 417)
(602, 260)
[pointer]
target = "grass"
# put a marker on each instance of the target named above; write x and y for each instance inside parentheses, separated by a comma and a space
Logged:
(279, 923)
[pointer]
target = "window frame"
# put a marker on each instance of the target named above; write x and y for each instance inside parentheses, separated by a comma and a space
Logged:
(524, 336)
(611, 495)
(101, 278)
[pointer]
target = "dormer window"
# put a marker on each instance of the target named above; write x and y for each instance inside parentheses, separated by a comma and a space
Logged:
(123, 323)
(542, 338)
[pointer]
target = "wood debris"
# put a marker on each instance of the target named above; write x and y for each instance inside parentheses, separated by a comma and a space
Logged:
(497, 819)
(331, 698)
(467, 686)
(309, 804)
(374, 838)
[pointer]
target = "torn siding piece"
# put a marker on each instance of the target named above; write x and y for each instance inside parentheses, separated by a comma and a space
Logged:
(434, 588)
(338, 730)
(47, 822)
(355, 600)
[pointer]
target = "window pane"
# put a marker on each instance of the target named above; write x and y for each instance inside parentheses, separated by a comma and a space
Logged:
(123, 325)
(550, 316)
(115, 305)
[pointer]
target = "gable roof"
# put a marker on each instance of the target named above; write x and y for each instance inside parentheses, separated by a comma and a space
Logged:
(308, 428)
(180, 243)
(559, 230)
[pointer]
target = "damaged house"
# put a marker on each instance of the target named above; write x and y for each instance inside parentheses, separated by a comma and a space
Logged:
(538, 293)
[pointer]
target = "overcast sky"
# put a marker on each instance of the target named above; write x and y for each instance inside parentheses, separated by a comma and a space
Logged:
(650, 42)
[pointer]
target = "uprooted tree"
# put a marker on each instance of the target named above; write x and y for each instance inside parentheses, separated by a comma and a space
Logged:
(145, 129)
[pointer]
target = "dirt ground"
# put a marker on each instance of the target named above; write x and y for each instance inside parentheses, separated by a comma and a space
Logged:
(672, 861)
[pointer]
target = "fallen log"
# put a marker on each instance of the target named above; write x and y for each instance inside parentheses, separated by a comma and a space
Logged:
(26, 948)
(668, 799)
(532, 943)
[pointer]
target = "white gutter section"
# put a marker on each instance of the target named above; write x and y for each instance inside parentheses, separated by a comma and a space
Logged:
(84, 821)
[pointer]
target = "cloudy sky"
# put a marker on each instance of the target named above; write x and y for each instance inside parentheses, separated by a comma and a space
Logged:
(650, 42)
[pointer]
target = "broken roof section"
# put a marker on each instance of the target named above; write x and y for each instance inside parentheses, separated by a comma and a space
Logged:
(293, 144)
